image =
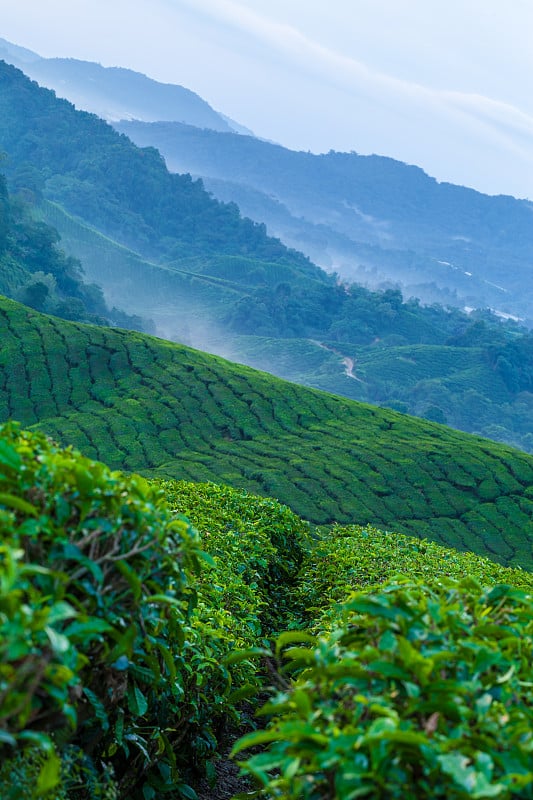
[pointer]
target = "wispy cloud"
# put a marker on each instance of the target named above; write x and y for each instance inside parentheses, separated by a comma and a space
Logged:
(500, 124)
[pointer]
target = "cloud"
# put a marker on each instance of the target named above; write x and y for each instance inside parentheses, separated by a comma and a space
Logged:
(443, 84)
(347, 72)
(499, 124)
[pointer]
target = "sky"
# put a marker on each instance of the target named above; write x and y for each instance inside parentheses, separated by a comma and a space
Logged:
(444, 84)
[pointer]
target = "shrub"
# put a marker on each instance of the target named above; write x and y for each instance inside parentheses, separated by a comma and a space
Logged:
(419, 690)
(100, 644)
(347, 558)
(257, 545)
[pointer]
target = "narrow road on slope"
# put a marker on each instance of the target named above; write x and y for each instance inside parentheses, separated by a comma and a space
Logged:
(349, 363)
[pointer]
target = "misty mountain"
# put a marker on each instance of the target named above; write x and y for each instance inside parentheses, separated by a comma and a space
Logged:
(371, 219)
(190, 253)
(161, 247)
(116, 93)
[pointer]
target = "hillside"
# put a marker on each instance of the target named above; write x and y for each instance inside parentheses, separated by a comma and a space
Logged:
(36, 271)
(165, 410)
(470, 371)
(115, 93)
(481, 387)
(370, 218)
(78, 160)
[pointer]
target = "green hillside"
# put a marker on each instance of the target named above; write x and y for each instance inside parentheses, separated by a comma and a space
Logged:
(147, 405)
(160, 247)
(81, 162)
(183, 296)
(478, 387)
(34, 270)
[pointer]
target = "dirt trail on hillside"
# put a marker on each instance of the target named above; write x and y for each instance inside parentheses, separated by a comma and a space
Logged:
(349, 363)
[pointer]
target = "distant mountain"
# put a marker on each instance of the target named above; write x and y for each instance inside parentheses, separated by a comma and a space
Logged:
(207, 258)
(370, 218)
(80, 161)
(115, 93)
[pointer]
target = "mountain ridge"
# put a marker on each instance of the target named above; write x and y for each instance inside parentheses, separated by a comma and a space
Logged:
(423, 232)
(115, 92)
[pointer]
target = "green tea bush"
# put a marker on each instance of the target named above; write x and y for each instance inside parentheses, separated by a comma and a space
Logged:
(418, 690)
(101, 647)
(346, 558)
(257, 544)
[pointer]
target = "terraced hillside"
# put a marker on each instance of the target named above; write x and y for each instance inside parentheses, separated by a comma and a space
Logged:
(467, 387)
(143, 404)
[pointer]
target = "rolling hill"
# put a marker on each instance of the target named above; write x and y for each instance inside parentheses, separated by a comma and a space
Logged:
(163, 409)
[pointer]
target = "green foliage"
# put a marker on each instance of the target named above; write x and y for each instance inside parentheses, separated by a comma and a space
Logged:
(108, 646)
(257, 547)
(34, 270)
(32, 774)
(263, 539)
(125, 648)
(420, 690)
(142, 404)
(345, 559)
(458, 385)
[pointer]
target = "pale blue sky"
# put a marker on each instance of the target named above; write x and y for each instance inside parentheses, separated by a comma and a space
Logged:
(446, 84)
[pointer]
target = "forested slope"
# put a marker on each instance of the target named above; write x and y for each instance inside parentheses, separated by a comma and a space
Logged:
(372, 218)
(80, 161)
(35, 270)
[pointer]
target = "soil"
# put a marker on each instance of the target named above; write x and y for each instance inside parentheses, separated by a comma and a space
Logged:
(228, 782)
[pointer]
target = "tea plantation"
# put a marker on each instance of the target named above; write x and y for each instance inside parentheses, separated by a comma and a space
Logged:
(143, 404)
(130, 639)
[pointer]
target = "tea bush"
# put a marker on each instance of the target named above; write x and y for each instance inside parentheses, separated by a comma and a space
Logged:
(345, 558)
(418, 690)
(257, 545)
(103, 643)
(128, 638)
